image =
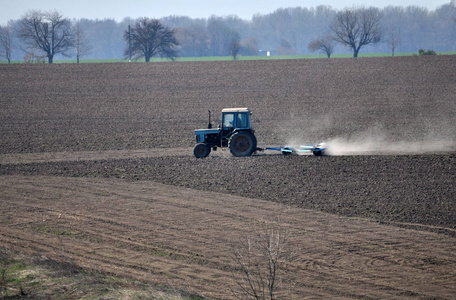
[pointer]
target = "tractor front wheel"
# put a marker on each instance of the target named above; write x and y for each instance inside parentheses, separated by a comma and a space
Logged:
(201, 150)
(242, 144)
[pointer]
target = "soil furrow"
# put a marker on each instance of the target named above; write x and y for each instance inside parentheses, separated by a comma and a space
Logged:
(341, 257)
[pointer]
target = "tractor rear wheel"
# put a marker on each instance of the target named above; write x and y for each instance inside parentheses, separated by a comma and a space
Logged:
(201, 150)
(242, 144)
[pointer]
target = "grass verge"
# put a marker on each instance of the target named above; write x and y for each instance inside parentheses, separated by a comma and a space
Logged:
(34, 277)
(228, 58)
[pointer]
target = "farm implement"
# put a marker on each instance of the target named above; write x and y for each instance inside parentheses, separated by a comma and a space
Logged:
(316, 149)
(237, 134)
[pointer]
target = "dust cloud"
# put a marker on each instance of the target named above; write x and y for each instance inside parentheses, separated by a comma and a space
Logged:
(377, 141)
(373, 146)
(434, 137)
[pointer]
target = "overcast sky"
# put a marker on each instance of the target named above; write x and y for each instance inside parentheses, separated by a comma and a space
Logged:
(119, 9)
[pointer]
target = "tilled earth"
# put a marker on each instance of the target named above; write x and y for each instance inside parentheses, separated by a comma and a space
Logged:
(403, 189)
(97, 168)
(90, 107)
(185, 239)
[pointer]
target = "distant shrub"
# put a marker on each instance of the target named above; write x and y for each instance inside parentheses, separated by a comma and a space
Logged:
(426, 52)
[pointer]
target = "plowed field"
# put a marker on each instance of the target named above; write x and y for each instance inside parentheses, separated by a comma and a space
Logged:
(97, 168)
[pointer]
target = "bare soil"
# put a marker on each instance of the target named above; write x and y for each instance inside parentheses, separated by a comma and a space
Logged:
(96, 168)
(415, 191)
(183, 238)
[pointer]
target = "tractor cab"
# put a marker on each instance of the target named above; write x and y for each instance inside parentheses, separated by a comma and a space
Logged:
(234, 132)
(234, 119)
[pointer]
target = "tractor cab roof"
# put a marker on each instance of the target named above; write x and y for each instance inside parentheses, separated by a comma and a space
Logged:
(228, 110)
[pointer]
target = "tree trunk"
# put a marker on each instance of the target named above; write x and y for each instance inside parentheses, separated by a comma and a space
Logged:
(51, 58)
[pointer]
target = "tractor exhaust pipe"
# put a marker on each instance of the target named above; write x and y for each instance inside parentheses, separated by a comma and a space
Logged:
(209, 125)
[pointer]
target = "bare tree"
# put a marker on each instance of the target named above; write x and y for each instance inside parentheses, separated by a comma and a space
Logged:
(193, 41)
(81, 44)
(49, 32)
(453, 9)
(260, 263)
(221, 37)
(286, 48)
(32, 58)
(393, 39)
(6, 42)
(324, 45)
(148, 38)
(249, 46)
(357, 27)
(235, 44)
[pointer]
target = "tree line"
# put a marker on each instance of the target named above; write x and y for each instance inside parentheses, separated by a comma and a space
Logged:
(286, 31)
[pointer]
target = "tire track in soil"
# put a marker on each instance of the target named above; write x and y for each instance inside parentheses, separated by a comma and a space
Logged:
(182, 237)
(41, 157)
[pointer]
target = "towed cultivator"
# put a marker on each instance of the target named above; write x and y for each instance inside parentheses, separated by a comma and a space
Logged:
(237, 134)
(317, 149)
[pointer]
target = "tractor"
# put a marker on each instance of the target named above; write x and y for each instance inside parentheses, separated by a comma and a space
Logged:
(235, 132)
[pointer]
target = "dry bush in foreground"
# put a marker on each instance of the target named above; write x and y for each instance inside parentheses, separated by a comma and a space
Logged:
(260, 261)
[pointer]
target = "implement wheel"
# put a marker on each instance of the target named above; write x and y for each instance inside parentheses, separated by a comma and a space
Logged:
(242, 144)
(318, 152)
(201, 150)
(290, 150)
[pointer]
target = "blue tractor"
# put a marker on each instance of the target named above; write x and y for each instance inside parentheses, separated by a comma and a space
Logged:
(235, 132)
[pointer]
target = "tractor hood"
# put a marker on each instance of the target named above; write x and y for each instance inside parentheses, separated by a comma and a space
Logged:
(207, 131)
(201, 133)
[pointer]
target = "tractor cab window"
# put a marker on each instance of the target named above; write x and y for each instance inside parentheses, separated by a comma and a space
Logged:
(228, 120)
(242, 121)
